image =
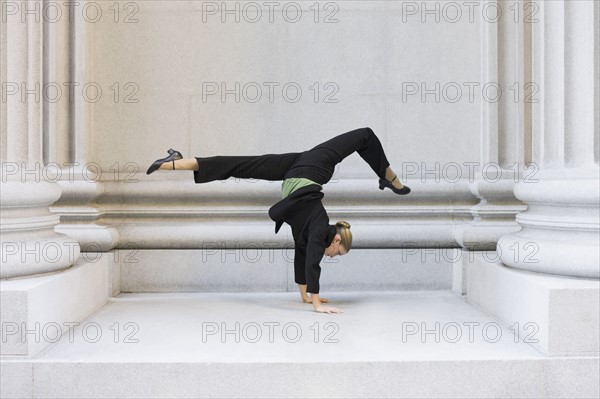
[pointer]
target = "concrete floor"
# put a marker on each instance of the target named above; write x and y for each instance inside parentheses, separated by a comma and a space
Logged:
(375, 349)
(277, 327)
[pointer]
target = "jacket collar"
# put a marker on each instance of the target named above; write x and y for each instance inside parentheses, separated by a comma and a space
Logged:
(330, 235)
(281, 210)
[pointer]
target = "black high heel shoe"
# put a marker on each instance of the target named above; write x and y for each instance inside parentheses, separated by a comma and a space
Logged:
(173, 156)
(383, 183)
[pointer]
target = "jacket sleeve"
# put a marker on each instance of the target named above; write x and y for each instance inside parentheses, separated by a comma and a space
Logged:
(315, 250)
(299, 268)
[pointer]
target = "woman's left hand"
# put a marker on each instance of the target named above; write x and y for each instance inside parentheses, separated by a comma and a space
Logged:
(309, 300)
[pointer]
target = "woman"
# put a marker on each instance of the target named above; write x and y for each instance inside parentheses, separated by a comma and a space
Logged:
(303, 175)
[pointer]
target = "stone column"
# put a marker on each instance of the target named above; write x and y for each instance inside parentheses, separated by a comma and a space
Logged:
(69, 131)
(504, 117)
(560, 228)
(30, 245)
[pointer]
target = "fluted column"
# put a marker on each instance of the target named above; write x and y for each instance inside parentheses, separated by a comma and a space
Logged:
(29, 243)
(502, 155)
(560, 228)
(70, 132)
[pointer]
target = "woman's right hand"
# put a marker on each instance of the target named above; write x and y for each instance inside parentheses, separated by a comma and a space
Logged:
(308, 299)
(328, 309)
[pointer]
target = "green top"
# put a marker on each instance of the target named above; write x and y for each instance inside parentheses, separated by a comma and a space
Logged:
(290, 185)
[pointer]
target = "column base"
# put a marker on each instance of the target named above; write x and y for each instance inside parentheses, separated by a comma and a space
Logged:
(560, 231)
(559, 316)
(33, 309)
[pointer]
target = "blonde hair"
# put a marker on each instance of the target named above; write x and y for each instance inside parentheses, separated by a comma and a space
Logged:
(343, 229)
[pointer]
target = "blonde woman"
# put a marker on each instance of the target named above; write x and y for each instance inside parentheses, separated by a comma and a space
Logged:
(303, 175)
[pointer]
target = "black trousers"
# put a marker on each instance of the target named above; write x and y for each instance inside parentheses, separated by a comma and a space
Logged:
(316, 164)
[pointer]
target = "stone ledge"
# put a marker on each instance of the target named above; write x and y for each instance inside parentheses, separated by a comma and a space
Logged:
(565, 310)
(374, 355)
(536, 379)
(46, 301)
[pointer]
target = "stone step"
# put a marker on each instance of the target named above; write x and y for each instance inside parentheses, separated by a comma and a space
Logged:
(385, 344)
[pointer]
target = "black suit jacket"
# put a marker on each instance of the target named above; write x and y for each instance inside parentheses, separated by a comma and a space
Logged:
(304, 212)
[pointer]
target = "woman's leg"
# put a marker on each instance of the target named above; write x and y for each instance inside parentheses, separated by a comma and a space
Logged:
(264, 167)
(331, 152)
(367, 144)
(317, 163)
(181, 164)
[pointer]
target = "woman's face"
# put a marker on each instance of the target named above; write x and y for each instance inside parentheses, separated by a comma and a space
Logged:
(335, 248)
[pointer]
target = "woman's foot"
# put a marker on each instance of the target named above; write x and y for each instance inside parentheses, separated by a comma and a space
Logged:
(395, 185)
(173, 155)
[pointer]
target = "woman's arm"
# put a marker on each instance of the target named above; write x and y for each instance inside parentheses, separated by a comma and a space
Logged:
(305, 297)
(314, 253)
(303, 294)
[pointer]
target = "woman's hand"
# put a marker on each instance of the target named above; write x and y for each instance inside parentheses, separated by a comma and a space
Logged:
(316, 301)
(328, 309)
(304, 295)
(308, 299)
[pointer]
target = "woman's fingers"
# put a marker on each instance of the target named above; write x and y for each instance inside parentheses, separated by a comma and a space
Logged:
(309, 300)
(329, 309)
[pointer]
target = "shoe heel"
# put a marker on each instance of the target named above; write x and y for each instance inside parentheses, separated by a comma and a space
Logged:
(381, 184)
(176, 153)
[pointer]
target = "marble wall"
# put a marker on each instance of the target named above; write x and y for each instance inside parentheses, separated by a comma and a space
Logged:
(445, 85)
(245, 78)
(206, 84)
